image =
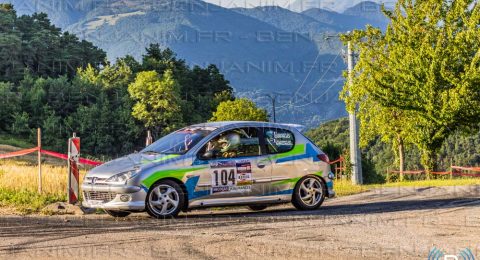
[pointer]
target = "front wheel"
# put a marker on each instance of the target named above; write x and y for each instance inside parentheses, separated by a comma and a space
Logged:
(309, 193)
(165, 199)
(117, 214)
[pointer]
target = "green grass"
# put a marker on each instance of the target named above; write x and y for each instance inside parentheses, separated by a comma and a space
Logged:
(431, 183)
(15, 141)
(345, 188)
(27, 202)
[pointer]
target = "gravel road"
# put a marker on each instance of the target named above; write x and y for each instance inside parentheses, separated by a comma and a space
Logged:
(381, 224)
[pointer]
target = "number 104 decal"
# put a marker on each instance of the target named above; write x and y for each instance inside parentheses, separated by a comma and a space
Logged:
(231, 176)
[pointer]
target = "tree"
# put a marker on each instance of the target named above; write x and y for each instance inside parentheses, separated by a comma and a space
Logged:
(201, 89)
(389, 124)
(11, 67)
(9, 105)
(239, 110)
(426, 65)
(157, 101)
(31, 42)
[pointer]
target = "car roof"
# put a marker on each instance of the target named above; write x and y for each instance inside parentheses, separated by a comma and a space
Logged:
(223, 124)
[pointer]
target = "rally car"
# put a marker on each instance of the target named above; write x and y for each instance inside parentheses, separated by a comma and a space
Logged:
(254, 164)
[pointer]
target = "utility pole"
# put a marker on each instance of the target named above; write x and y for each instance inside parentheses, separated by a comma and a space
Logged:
(355, 156)
(273, 97)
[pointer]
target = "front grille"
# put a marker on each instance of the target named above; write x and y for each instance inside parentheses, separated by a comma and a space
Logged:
(103, 196)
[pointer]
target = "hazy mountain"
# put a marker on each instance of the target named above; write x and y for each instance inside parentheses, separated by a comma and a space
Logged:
(287, 20)
(295, 5)
(343, 22)
(61, 12)
(369, 10)
(260, 50)
(331, 5)
(293, 22)
(315, 23)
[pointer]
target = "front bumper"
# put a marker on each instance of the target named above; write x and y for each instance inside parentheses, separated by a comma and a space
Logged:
(110, 197)
(330, 191)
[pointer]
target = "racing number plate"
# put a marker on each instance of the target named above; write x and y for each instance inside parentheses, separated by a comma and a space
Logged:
(231, 176)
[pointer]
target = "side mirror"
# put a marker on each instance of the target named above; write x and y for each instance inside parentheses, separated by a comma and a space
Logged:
(207, 155)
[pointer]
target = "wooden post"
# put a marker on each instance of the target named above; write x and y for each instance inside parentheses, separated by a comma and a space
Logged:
(388, 175)
(451, 169)
(39, 145)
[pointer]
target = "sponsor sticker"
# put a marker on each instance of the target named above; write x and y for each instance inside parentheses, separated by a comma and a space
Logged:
(231, 176)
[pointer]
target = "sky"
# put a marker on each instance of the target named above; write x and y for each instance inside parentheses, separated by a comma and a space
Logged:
(295, 5)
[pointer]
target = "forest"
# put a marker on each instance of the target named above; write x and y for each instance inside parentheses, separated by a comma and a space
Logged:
(52, 80)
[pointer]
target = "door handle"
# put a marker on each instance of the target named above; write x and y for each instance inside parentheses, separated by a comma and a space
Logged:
(260, 165)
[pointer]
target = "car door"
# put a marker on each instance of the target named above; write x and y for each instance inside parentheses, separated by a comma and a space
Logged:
(286, 162)
(235, 165)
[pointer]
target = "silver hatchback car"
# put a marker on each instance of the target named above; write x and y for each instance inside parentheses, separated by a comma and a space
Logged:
(254, 164)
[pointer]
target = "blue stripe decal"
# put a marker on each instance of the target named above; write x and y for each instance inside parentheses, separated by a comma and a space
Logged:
(191, 184)
(144, 188)
(282, 192)
(309, 153)
(199, 162)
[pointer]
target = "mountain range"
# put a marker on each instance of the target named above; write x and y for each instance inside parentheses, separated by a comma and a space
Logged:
(261, 50)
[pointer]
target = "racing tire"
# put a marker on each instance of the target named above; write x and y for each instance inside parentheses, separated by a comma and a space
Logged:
(257, 207)
(309, 193)
(165, 199)
(117, 214)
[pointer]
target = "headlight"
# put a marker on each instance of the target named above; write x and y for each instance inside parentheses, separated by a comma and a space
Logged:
(122, 177)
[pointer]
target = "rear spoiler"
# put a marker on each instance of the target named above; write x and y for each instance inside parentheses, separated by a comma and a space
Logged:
(300, 128)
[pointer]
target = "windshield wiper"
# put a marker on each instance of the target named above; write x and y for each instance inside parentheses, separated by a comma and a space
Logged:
(151, 152)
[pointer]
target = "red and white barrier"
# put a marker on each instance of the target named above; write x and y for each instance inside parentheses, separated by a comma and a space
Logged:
(73, 172)
(18, 153)
(50, 153)
(456, 171)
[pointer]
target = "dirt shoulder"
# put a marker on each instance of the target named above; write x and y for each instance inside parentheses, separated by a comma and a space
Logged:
(382, 223)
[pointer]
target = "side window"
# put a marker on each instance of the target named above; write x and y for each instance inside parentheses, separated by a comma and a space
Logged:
(278, 140)
(240, 142)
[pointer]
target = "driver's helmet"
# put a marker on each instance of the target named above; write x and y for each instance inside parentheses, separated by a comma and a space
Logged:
(229, 142)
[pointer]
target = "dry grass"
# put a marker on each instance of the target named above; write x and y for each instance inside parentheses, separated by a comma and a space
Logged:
(19, 185)
(15, 175)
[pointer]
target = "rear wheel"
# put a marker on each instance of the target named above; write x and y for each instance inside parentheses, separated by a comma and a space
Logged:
(117, 213)
(309, 193)
(257, 207)
(165, 199)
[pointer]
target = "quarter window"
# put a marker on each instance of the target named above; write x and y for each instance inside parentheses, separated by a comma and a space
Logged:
(240, 142)
(278, 140)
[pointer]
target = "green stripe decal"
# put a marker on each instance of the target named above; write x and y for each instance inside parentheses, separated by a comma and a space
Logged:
(297, 150)
(173, 173)
(295, 180)
(288, 181)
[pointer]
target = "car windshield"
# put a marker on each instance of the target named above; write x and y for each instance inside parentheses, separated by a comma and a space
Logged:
(178, 142)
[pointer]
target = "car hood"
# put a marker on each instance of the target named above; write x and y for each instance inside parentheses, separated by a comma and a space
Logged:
(128, 163)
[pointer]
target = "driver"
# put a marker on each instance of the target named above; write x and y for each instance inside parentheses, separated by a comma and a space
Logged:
(229, 145)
